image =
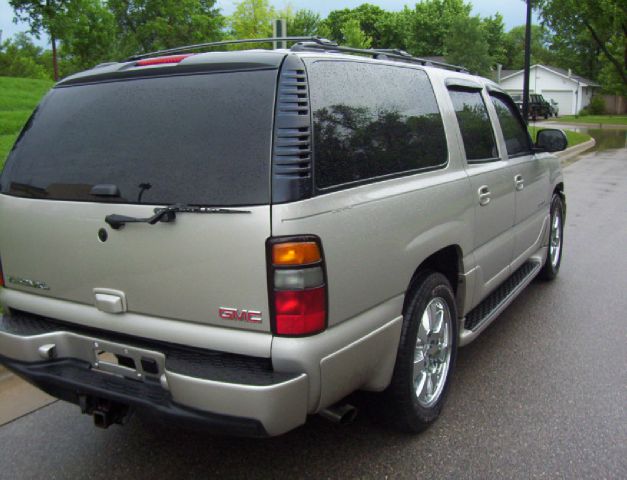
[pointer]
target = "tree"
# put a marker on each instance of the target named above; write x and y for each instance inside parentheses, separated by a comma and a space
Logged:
(605, 21)
(541, 42)
(19, 57)
(432, 22)
(394, 29)
(146, 25)
(90, 36)
(494, 30)
(48, 16)
(354, 36)
(467, 45)
(304, 23)
(252, 19)
(369, 17)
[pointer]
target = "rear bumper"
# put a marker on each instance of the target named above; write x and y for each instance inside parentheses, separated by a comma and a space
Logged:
(225, 393)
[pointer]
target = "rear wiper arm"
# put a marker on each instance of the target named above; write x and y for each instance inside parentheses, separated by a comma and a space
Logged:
(166, 214)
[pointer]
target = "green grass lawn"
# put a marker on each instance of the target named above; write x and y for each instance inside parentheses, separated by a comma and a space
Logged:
(18, 98)
(574, 138)
(598, 119)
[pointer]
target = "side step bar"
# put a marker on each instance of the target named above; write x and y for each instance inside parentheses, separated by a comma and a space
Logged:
(486, 312)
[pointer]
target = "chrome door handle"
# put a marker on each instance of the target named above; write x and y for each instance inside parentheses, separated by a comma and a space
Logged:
(484, 195)
(519, 181)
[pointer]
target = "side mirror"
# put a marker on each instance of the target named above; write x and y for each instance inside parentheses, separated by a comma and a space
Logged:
(551, 140)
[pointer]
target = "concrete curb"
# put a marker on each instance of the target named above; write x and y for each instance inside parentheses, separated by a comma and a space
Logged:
(576, 150)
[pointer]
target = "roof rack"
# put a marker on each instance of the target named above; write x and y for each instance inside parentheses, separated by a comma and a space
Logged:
(310, 43)
(187, 48)
(378, 53)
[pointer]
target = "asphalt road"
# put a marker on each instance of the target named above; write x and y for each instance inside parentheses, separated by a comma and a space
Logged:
(541, 394)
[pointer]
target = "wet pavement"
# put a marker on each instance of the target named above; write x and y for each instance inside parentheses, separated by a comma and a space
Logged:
(541, 394)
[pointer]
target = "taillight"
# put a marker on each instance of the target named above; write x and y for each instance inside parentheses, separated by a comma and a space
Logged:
(161, 60)
(297, 284)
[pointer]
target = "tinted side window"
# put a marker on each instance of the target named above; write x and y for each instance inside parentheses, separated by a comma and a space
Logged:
(372, 120)
(475, 125)
(515, 133)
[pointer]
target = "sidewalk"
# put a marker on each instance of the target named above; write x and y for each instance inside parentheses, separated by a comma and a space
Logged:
(18, 398)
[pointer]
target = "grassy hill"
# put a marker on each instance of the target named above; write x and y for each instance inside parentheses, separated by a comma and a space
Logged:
(18, 98)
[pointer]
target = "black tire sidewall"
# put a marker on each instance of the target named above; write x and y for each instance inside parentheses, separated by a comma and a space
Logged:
(412, 416)
(549, 272)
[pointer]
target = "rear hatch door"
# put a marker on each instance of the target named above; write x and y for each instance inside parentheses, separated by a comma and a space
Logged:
(127, 147)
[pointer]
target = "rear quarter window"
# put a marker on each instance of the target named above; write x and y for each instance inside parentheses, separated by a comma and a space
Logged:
(474, 124)
(199, 139)
(372, 121)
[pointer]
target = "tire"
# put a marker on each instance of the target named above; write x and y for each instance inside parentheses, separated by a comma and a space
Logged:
(551, 266)
(411, 406)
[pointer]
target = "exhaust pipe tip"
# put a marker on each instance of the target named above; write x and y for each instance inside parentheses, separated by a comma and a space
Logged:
(342, 414)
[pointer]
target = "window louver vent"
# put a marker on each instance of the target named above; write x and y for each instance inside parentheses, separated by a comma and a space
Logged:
(291, 160)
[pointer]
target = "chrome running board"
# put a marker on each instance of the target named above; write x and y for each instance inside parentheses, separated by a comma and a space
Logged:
(486, 312)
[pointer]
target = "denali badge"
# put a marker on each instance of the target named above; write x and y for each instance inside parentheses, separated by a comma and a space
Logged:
(250, 316)
(25, 282)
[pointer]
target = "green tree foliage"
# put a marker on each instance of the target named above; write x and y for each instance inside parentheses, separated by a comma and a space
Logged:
(90, 37)
(494, 31)
(467, 45)
(603, 21)
(48, 16)
(303, 23)
(369, 17)
(146, 25)
(541, 41)
(395, 29)
(252, 19)
(19, 57)
(354, 36)
(431, 24)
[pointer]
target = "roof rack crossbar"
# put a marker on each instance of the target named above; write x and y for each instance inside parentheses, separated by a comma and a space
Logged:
(187, 48)
(381, 53)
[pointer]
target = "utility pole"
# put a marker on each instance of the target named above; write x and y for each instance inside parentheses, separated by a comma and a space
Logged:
(525, 111)
(279, 29)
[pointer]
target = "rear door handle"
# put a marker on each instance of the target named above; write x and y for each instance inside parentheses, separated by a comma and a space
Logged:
(519, 182)
(484, 195)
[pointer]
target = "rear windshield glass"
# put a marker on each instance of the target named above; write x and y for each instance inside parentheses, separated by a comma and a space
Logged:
(198, 139)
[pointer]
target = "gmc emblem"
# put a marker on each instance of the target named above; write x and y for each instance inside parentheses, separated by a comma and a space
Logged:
(250, 316)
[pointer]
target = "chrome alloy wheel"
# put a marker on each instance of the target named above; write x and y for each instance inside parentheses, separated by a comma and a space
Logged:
(555, 245)
(432, 355)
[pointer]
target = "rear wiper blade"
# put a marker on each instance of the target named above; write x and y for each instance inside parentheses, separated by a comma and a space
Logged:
(167, 214)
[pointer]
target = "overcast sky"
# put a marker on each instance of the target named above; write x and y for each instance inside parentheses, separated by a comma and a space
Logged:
(513, 11)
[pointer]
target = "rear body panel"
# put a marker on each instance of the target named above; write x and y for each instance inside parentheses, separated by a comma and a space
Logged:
(201, 139)
(184, 270)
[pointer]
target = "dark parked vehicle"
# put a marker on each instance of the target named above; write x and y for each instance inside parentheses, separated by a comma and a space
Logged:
(538, 106)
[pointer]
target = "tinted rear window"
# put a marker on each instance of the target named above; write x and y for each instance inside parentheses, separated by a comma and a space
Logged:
(373, 120)
(198, 139)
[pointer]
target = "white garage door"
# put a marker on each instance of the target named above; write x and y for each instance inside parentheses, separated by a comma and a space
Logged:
(564, 99)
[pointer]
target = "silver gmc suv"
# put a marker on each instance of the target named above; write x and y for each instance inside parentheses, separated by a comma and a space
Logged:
(235, 240)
